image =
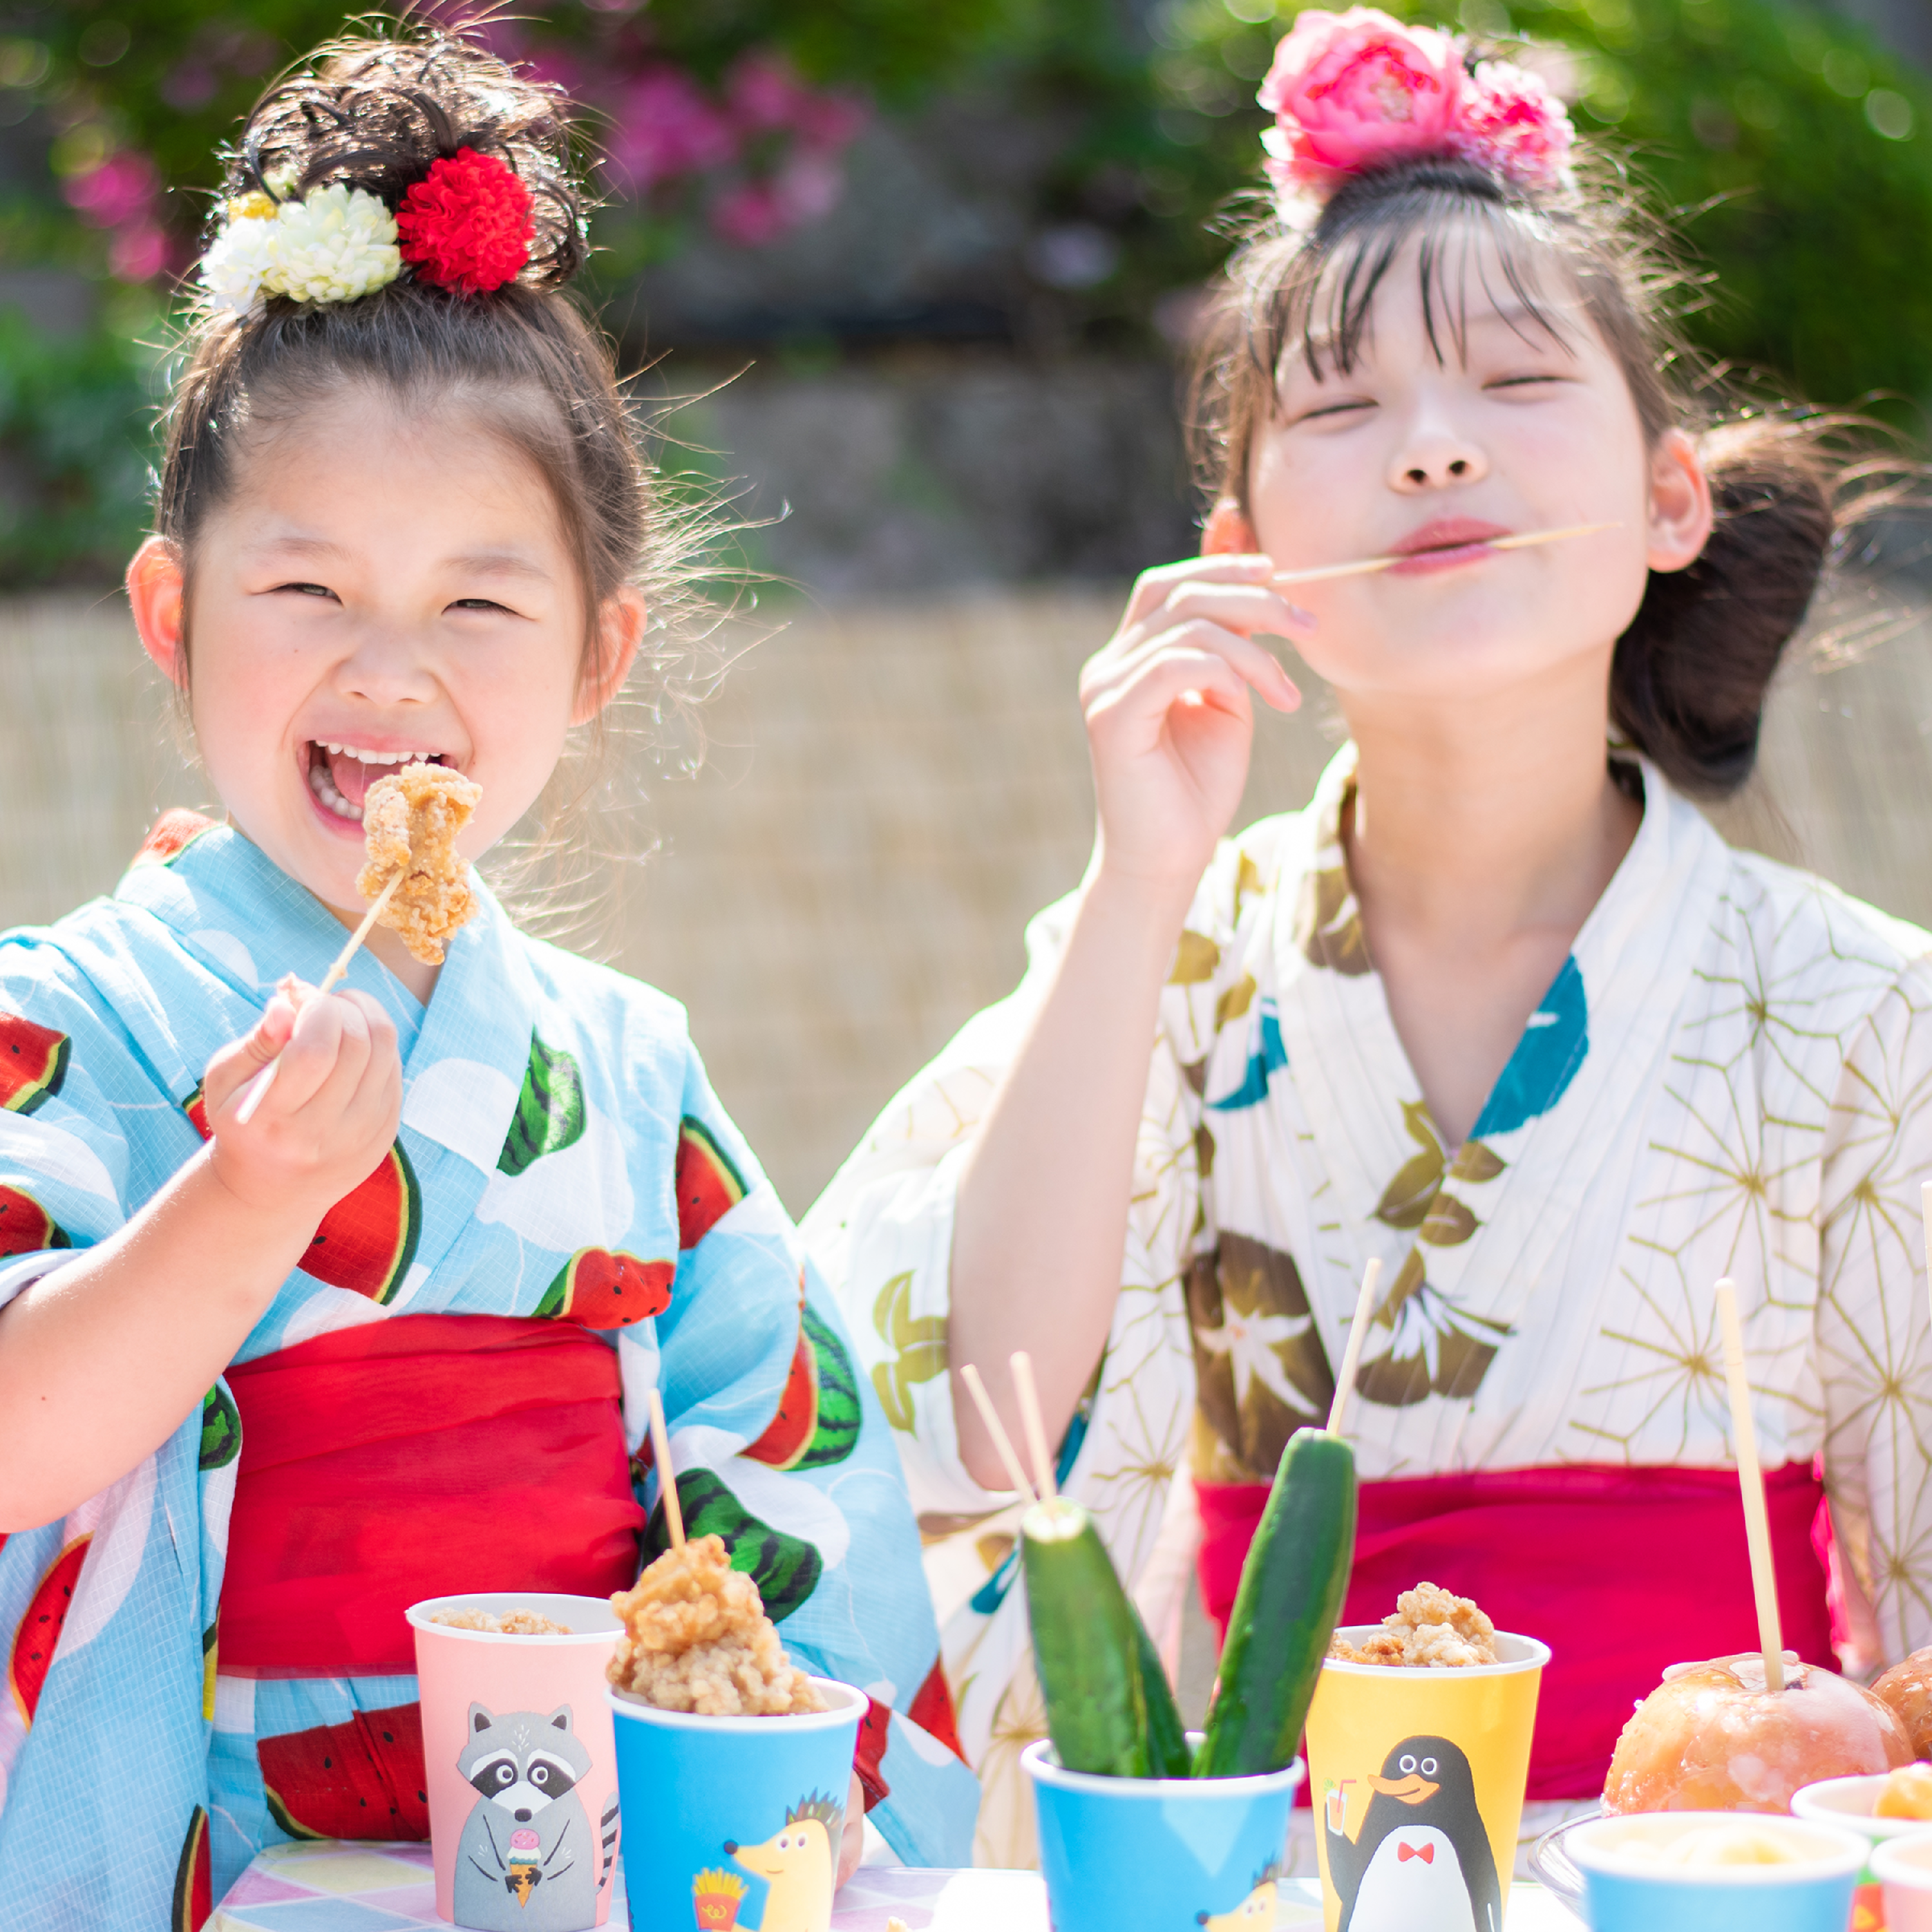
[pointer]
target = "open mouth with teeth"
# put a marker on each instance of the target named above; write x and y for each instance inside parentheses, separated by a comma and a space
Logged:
(340, 775)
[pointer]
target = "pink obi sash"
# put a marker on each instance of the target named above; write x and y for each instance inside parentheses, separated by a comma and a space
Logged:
(1620, 1571)
(417, 1457)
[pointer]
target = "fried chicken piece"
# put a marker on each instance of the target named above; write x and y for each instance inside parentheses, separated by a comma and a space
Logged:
(1433, 1629)
(696, 1638)
(410, 820)
(511, 1623)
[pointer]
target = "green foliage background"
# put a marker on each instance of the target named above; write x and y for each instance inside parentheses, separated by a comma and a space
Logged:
(1752, 120)
(1792, 154)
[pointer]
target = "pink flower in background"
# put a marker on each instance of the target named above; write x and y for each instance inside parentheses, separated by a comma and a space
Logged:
(755, 213)
(139, 254)
(122, 186)
(1348, 90)
(763, 92)
(1513, 124)
(663, 124)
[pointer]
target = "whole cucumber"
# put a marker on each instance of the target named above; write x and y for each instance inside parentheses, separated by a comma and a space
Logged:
(1109, 1711)
(1291, 1593)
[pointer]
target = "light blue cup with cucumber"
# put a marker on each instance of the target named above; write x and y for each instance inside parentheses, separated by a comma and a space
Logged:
(1162, 1852)
(1633, 1881)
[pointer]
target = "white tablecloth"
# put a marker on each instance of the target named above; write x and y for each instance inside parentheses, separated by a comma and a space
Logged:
(327, 1887)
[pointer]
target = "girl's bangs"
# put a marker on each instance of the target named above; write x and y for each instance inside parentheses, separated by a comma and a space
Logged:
(1472, 248)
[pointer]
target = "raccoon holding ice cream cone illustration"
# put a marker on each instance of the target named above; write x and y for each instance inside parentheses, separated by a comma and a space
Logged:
(528, 1860)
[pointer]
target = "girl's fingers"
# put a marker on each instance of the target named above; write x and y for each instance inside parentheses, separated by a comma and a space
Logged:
(1247, 608)
(1152, 588)
(331, 1037)
(1253, 661)
(1138, 709)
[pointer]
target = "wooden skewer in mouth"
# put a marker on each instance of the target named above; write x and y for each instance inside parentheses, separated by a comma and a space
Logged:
(1367, 566)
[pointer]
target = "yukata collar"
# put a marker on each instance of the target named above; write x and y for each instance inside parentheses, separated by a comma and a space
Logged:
(1313, 917)
(230, 905)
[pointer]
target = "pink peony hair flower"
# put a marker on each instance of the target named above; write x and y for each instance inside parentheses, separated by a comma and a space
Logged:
(1514, 125)
(1350, 91)
(1354, 91)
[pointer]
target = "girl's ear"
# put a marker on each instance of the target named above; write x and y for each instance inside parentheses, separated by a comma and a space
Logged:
(156, 592)
(1227, 532)
(1680, 513)
(620, 630)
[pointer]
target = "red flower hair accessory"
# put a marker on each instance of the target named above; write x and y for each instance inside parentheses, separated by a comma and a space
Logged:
(467, 225)
(1355, 91)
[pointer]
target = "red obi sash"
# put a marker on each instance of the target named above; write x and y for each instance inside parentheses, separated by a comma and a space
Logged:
(417, 1457)
(1620, 1571)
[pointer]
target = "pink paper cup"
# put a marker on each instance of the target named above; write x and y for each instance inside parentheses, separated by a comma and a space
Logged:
(522, 1767)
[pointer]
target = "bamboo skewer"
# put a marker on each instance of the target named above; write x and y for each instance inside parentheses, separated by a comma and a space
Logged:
(666, 1474)
(1367, 566)
(259, 1085)
(1352, 1351)
(1036, 1429)
(1925, 1214)
(336, 972)
(1003, 1443)
(1750, 1481)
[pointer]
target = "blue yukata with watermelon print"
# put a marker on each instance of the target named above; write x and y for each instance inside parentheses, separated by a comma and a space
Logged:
(560, 1155)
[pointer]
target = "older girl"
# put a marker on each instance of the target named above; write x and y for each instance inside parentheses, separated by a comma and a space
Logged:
(1498, 1008)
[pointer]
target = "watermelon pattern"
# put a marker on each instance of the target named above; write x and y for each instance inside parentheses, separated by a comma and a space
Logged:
(931, 1710)
(26, 1228)
(818, 1417)
(170, 835)
(220, 1429)
(875, 1731)
(549, 1114)
(33, 1063)
(38, 1636)
(363, 1779)
(785, 1568)
(709, 1184)
(597, 1288)
(366, 1242)
(194, 1879)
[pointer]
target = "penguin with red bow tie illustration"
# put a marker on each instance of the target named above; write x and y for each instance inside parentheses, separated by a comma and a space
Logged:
(1421, 1861)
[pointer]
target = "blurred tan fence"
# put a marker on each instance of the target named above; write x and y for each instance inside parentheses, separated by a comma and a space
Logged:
(891, 790)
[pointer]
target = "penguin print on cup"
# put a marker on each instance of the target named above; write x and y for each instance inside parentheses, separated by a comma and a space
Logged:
(1421, 1861)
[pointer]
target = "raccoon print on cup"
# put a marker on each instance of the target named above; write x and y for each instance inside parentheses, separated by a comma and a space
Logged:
(528, 1860)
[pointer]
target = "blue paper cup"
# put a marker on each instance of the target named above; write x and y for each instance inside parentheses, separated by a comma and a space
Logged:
(1621, 1893)
(734, 1820)
(1164, 1852)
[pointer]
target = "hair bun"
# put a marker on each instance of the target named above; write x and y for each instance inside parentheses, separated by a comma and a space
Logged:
(376, 114)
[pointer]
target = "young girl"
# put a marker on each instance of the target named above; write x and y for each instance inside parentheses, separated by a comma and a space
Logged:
(269, 1378)
(1498, 1008)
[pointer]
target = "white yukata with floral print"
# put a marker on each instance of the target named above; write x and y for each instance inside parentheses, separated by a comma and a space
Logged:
(1731, 1075)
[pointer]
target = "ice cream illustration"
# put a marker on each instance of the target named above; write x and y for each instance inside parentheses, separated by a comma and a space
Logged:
(524, 1868)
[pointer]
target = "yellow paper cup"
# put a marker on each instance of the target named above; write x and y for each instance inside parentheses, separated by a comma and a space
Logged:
(1418, 1777)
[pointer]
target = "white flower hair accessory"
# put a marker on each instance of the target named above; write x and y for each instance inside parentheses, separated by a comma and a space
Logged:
(337, 244)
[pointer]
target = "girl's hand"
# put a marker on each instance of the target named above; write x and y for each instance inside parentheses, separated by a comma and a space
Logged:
(852, 1841)
(330, 1114)
(1168, 722)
